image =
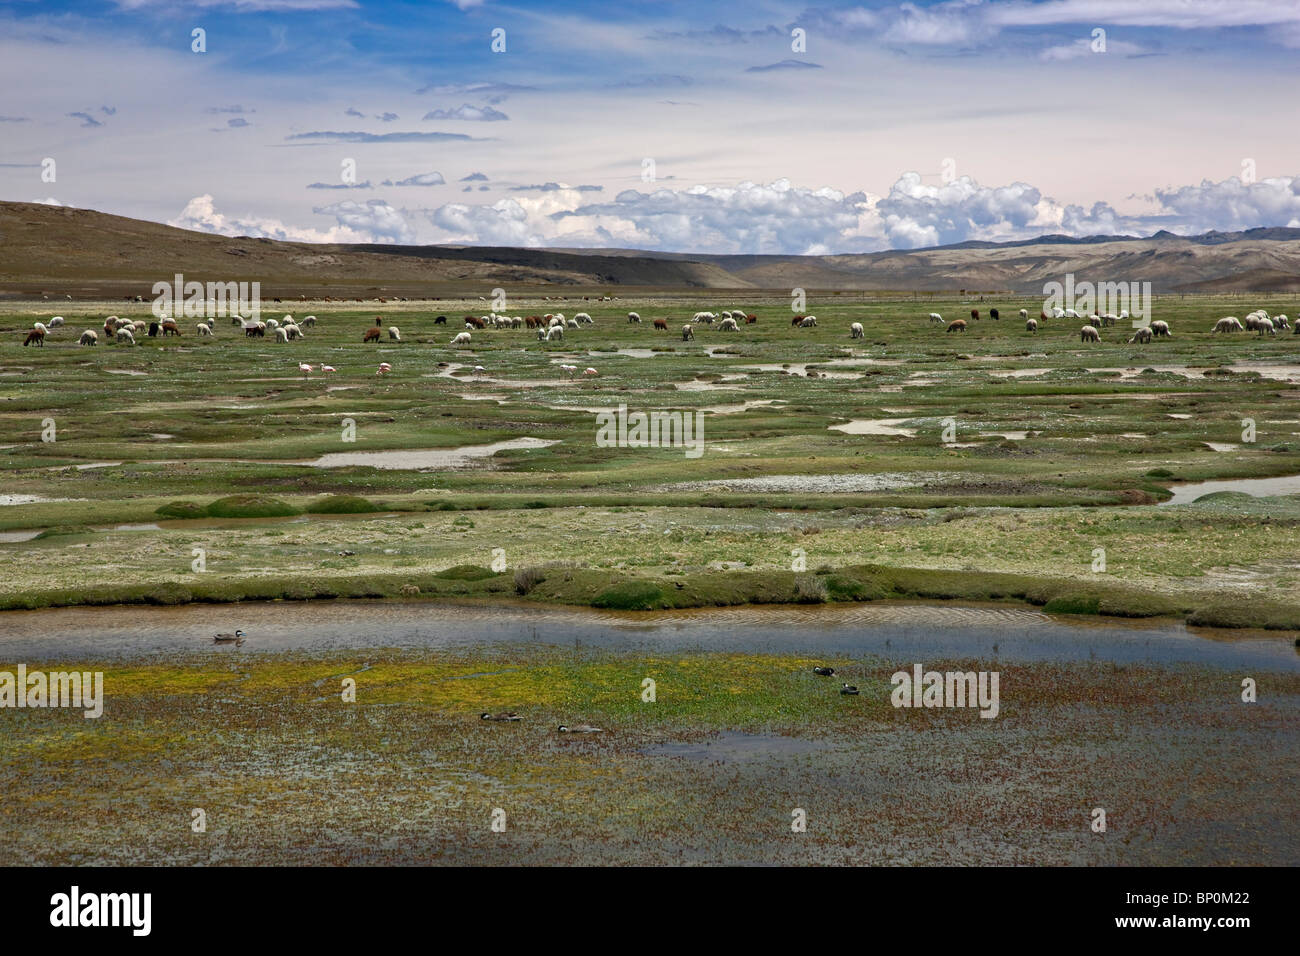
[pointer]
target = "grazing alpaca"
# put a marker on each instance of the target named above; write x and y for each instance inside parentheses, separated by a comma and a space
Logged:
(35, 336)
(394, 334)
(688, 333)
(1159, 328)
(58, 320)
(1024, 313)
(993, 314)
(855, 331)
(958, 325)
(728, 325)
(203, 329)
(661, 324)
(809, 321)
(125, 337)
(751, 319)
(1266, 325)
(1031, 325)
(1228, 323)
(1142, 335)
(936, 317)
(282, 334)
(975, 314)
(633, 317)
(1042, 316)
(308, 321)
(89, 337)
(169, 327)
(371, 335)
(461, 338)
(796, 320)
(1089, 333)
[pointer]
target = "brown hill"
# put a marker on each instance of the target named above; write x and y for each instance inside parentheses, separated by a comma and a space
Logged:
(56, 250)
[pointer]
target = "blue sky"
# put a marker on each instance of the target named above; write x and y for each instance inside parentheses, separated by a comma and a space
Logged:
(677, 126)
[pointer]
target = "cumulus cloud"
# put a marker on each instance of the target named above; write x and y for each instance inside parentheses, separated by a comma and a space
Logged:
(363, 185)
(915, 214)
(504, 223)
(473, 177)
(352, 111)
(375, 218)
(237, 123)
(474, 114)
(419, 179)
(47, 201)
(776, 217)
(356, 222)
(1233, 204)
(386, 117)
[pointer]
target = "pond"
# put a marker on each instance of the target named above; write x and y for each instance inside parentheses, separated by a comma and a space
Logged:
(1259, 487)
(901, 632)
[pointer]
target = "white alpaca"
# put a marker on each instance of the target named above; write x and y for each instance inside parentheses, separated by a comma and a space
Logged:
(124, 337)
(281, 335)
(936, 317)
(688, 333)
(855, 331)
(89, 337)
(808, 322)
(203, 329)
(40, 327)
(1159, 328)
(394, 334)
(56, 321)
(1031, 325)
(728, 325)
(1024, 313)
(633, 317)
(462, 338)
(308, 321)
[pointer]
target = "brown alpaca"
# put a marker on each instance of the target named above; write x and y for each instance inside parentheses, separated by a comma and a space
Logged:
(372, 335)
(36, 336)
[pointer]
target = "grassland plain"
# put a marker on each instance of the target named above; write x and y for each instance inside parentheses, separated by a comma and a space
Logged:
(1060, 449)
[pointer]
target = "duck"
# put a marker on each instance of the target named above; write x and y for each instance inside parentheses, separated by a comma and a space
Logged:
(824, 671)
(509, 715)
(579, 729)
(849, 690)
(237, 638)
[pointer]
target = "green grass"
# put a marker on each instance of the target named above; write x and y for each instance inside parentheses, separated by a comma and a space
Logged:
(212, 439)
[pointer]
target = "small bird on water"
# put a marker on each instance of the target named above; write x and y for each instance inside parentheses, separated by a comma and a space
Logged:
(824, 671)
(849, 690)
(511, 715)
(237, 638)
(579, 729)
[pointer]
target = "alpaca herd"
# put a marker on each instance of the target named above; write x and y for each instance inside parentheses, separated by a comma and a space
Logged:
(552, 327)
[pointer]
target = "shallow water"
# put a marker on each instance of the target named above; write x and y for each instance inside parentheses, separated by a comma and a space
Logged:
(906, 633)
(425, 458)
(1259, 487)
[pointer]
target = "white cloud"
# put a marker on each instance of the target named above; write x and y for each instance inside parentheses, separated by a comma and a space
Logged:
(485, 114)
(374, 221)
(504, 223)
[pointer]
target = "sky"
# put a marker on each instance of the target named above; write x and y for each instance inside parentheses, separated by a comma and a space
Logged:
(731, 127)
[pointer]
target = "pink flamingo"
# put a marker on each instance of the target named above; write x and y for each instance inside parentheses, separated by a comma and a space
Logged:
(304, 368)
(327, 368)
(590, 371)
(384, 368)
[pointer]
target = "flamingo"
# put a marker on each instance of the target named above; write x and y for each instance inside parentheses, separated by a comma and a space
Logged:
(304, 368)
(479, 370)
(327, 368)
(589, 371)
(384, 368)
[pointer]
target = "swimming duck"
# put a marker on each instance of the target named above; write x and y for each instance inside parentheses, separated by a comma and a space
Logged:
(237, 638)
(511, 715)
(849, 690)
(823, 671)
(579, 729)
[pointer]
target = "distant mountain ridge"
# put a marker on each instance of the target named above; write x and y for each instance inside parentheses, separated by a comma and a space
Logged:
(80, 252)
